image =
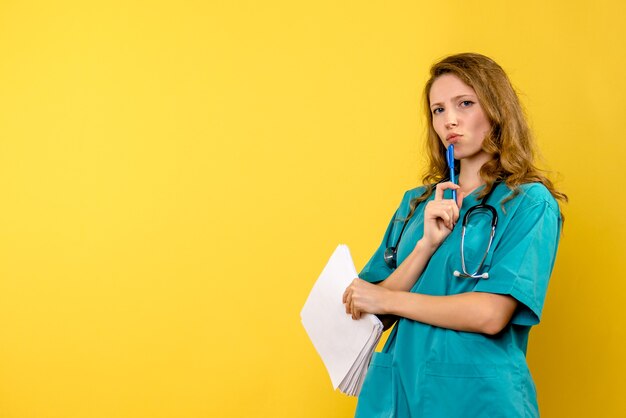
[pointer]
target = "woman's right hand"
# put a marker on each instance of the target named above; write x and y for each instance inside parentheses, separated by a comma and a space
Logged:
(440, 215)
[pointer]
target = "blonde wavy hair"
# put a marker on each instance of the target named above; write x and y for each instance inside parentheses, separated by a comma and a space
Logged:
(510, 139)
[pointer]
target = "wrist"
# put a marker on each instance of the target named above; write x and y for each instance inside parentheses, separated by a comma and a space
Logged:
(389, 302)
(426, 247)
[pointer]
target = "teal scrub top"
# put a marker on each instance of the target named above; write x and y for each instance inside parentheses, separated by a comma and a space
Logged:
(427, 371)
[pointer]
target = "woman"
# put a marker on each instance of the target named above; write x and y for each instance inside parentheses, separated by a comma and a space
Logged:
(465, 302)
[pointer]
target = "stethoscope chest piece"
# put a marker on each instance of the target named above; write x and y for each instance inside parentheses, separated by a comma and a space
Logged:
(391, 257)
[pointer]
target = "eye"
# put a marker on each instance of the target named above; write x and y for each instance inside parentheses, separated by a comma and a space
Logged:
(466, 103)
(437, 110)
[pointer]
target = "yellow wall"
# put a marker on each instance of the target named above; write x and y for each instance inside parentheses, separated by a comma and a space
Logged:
(173, 176)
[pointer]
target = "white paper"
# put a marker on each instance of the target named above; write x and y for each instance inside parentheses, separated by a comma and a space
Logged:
(345, 345)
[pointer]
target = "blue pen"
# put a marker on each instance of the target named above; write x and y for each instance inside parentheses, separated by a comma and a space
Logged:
(450, 158)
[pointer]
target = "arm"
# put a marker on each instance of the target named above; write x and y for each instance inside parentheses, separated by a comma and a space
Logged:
(486, 313)
(405, 276)
(475, 312)
(407, 273)
(440, 216)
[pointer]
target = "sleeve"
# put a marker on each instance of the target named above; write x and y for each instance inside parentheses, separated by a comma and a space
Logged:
(376, 270)
(523, 260)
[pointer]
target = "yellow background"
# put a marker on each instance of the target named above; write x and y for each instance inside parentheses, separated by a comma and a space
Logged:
(174, 175)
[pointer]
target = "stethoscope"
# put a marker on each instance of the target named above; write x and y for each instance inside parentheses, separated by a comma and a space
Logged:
(391, 253)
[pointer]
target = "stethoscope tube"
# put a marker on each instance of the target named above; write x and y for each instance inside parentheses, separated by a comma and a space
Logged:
(390, 255)
(494, 221)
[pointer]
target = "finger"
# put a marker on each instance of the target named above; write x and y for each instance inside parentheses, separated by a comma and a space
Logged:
(434, 209)
(455, 212)
(444, 186)
(451, 211)
(453, 216)
(443, 213)
(459, 199)
(451, 219)
(439, 192)
(440, 216)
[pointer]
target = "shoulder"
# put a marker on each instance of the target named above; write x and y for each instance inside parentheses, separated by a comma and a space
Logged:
(407, 199)
(414, 193)
(411, 195)
(531, 196)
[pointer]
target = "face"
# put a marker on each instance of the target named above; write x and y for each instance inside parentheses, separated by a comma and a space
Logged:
(458, 118)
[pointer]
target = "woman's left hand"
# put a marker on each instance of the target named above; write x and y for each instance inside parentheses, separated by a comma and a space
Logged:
(364, 297)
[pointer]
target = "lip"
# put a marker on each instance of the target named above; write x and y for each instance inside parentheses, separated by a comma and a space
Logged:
(453, 138)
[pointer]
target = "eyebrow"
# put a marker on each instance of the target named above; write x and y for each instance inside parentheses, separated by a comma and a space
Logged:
(455, 98)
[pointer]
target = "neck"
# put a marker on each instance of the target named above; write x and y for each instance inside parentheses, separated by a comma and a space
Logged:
(469, 176)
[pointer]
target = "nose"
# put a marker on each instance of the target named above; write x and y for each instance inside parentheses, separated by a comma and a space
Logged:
(451, 120)
(450, 125)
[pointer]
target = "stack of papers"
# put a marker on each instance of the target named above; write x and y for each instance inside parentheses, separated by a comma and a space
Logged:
(345, 345)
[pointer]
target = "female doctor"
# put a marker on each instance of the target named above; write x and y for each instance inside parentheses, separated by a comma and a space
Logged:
(465, 299)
